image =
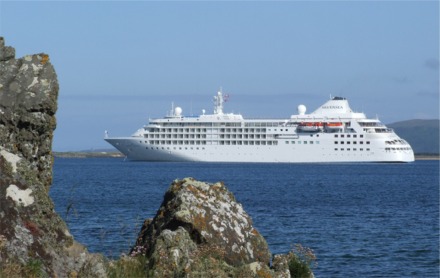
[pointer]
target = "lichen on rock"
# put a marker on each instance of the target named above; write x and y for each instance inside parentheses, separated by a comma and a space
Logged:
(200, 230)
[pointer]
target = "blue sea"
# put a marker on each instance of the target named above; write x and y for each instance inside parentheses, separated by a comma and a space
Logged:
(361, 220)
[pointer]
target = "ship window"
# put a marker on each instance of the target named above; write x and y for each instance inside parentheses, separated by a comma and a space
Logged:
(368, 149)
(293, 142)
(311, 135)
(354, 136)
(336, 149)
(311, 142)
(336, 136)
(305, 142)
(368, 142)
(361, 149)
(342, 149)
(287, 142)
(361, 142)
(354, 142)
(317, 142)
(354, 149)
(348, 149)
(348, 135)
(342, 142)
(348, 142)
(336, 142)
(299, 142)
(342, 135)
(362, 136)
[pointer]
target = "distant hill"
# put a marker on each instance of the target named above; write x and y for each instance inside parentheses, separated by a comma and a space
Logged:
(423, 135)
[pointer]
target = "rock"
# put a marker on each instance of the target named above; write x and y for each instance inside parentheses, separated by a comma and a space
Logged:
(6, 52)
(32, 236)
(201, 229)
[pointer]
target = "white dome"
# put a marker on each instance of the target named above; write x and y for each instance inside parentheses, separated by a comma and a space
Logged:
(302, 109)
(178, 111)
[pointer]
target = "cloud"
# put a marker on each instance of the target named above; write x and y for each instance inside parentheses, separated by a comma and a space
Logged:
(432, 63)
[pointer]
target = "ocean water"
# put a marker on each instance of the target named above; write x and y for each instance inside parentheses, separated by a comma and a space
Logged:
(361, 220)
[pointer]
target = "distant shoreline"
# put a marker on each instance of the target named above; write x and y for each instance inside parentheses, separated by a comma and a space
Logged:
(88, 154)
(120, 155)
(428, 157)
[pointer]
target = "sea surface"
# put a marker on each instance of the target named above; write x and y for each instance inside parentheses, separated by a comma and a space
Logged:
(361, 220)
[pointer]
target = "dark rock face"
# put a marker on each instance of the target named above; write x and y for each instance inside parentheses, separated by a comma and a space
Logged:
(28, 101)
(32, 235)
(197, 221)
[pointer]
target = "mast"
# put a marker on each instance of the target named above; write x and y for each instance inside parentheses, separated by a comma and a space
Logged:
(218, 103)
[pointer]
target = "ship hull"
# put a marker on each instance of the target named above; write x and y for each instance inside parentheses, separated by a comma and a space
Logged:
(137, 150)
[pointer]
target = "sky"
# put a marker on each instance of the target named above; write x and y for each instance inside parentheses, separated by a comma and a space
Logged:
(120, 63)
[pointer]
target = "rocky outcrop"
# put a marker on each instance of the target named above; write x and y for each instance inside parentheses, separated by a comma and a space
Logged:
(34, 240)
(200, 230)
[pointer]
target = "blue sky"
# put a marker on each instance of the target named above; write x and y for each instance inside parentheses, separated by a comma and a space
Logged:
(119, 63)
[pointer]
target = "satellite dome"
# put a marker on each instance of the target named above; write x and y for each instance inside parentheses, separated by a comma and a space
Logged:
(302, 109)
(178, 111)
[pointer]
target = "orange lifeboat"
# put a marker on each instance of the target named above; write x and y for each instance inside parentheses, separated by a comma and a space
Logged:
(334, 126)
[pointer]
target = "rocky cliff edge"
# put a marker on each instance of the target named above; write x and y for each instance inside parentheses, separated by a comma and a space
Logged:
(34, 240)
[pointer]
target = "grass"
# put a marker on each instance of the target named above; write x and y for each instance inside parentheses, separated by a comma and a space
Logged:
(302, 261)
(128, 267)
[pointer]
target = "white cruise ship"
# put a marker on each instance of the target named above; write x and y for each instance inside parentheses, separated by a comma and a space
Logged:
(331, 133)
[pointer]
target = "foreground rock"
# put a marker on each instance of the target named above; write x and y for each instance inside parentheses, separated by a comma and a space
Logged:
(201, 231)
(34, 240)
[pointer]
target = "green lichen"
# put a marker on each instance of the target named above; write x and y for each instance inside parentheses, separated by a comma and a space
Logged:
(28, 174)
(6, 167)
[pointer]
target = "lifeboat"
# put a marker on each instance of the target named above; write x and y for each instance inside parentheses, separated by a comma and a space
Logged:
(310, 126)
(334, 126)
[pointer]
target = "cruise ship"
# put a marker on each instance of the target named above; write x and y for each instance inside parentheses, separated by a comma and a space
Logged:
(331, 133)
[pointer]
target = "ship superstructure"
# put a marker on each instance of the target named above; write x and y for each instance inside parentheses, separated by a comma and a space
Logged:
(331, 133)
